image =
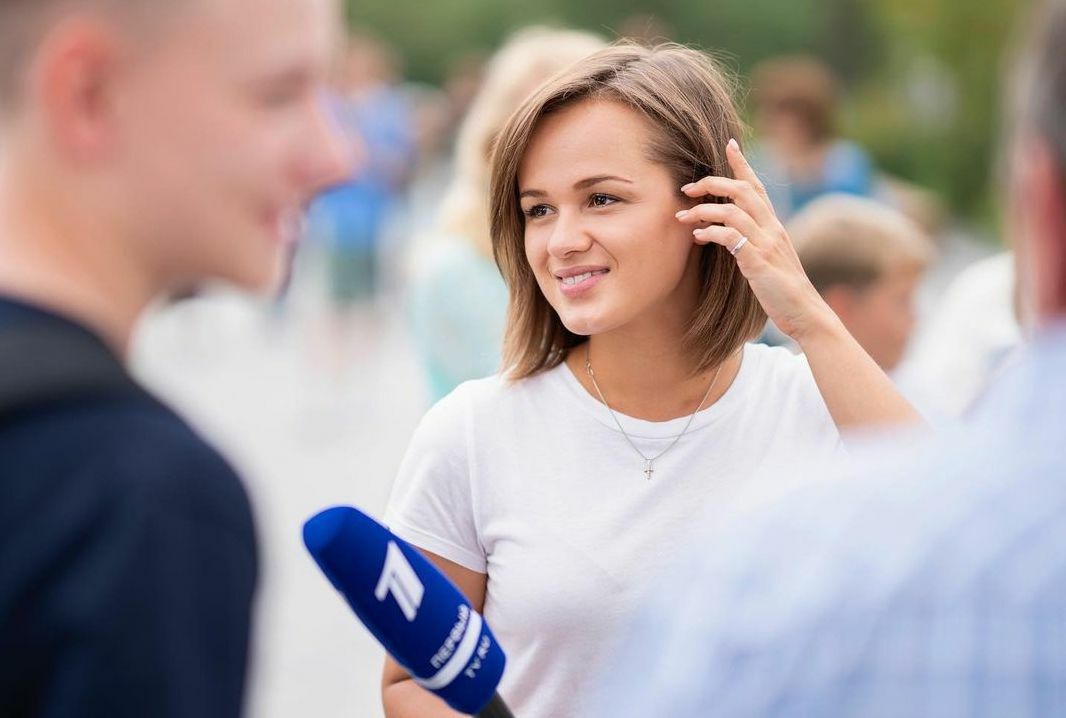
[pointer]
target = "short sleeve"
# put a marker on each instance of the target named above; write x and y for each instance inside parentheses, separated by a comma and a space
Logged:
(433, 500)
(802, 413)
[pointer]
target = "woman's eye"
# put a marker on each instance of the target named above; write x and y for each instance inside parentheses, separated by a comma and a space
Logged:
(539, 210)
(601, 200)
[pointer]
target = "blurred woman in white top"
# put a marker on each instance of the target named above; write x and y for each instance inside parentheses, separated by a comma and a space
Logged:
(641, 255)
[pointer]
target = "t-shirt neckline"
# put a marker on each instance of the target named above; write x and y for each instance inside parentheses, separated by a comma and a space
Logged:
(643, 429)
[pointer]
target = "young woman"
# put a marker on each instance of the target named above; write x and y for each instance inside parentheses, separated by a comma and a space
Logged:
(555, 493)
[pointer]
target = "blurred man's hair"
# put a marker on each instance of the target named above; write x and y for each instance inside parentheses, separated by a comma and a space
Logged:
(1041, 78)
(801, 86)
(850, 241)
(24, 23)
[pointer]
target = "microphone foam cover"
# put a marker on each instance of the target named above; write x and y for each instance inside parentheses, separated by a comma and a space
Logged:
(413, 609)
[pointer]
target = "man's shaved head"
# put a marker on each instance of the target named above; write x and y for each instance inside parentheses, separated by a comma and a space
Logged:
(189, 134)
(25, 23)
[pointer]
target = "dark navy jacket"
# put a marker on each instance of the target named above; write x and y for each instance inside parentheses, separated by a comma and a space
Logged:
(127, 560)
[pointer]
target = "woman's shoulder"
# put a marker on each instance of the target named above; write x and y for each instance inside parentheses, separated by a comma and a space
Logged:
(775, 366)
(491, 394)
(446, 423)
(783, 380)
(474, 395)
(774, 359)
(473, 407)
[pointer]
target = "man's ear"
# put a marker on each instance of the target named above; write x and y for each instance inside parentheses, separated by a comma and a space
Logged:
(1040, 211)
(74, 75)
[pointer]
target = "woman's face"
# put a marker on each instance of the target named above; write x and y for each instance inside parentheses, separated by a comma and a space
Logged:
(601, 235)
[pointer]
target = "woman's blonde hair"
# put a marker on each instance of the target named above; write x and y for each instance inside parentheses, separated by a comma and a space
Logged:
(687, 99)
(528, 59)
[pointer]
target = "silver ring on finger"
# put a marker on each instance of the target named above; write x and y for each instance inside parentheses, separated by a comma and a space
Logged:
(739, 246)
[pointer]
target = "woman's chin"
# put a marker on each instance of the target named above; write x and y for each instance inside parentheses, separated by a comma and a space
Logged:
(585, 326)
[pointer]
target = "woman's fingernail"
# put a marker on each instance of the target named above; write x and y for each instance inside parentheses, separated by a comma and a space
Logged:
(697, 233)
(682, 214)
(689, 186)
(734, 144)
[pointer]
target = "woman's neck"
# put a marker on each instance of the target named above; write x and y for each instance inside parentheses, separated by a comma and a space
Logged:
(648, 377)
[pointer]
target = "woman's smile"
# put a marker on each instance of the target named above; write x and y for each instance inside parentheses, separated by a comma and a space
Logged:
(576, 281)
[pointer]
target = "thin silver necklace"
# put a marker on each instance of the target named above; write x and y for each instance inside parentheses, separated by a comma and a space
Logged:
(649, 462)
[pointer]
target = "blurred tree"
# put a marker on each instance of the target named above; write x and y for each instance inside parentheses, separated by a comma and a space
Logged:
(949, 52)
(431, 34)
(921, 74)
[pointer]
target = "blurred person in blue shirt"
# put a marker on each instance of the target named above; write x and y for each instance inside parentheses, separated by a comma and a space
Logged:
(799, 156)
(347, 219)
(930, 582)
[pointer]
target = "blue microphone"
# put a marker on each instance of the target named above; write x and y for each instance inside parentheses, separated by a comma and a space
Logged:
(414, 611)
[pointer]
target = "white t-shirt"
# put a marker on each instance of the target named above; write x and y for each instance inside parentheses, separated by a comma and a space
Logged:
(531, 483)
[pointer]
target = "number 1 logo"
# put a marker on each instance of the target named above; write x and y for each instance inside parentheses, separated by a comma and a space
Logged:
(400, 580)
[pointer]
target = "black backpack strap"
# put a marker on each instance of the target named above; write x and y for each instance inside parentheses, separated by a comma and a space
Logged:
(44, 364)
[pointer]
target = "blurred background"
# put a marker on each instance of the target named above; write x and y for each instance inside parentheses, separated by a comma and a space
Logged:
(393, 297)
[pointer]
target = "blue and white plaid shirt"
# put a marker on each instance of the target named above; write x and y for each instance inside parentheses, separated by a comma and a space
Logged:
(933, 585)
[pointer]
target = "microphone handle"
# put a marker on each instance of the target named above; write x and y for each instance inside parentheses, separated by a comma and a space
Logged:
(496, 709)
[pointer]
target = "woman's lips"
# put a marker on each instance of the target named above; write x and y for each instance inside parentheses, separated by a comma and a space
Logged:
(577, 285)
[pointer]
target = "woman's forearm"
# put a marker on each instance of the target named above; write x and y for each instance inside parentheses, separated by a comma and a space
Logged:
(407, 699)
(856, 391)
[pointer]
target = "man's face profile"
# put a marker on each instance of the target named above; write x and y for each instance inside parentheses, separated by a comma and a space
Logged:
(224, 137)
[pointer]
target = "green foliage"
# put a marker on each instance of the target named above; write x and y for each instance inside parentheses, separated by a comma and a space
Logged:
(431, 35)
(878, 47)
(969, 40)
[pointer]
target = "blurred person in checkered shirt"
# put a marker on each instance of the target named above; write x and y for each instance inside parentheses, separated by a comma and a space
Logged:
(932, 580)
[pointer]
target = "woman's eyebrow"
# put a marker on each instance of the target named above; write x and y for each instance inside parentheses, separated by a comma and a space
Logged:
(580, 184)
(590, 181)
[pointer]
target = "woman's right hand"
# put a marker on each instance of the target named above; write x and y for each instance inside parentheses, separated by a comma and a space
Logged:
(764, 253)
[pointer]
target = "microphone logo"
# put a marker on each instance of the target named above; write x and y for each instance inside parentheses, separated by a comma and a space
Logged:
(401, 581)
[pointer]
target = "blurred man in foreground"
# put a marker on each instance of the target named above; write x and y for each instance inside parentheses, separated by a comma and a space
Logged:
(145, 147)
(928, 585)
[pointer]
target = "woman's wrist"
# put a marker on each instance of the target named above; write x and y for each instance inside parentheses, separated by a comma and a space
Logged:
(822, 327)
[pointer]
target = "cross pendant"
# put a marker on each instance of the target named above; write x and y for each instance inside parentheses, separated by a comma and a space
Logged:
(648, 468)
